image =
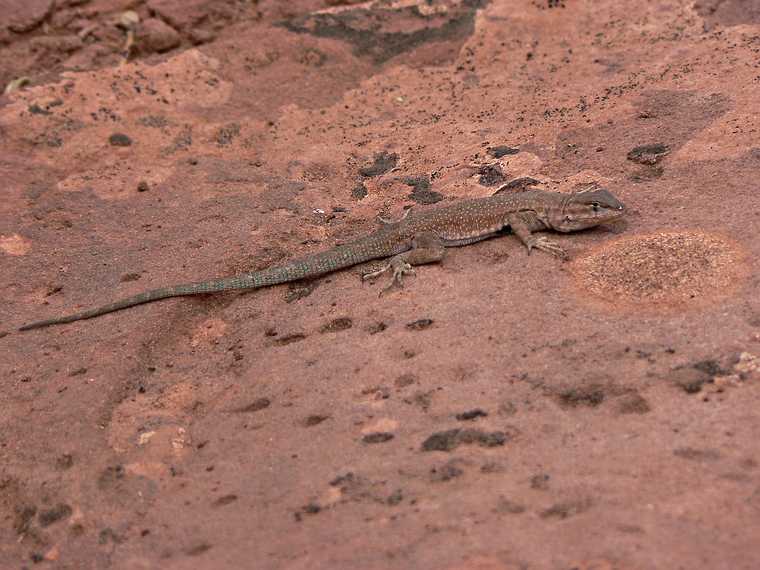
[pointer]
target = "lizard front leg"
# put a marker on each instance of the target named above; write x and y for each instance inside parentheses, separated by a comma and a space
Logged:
(426, 248)
(522, 224)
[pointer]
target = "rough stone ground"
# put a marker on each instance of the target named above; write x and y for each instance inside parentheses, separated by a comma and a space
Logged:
(500, 412)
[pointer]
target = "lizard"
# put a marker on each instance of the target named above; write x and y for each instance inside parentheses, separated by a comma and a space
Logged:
(415, 239)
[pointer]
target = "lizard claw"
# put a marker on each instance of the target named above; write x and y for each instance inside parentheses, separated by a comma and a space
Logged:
(545, 244)
(375, 274)
(400, 269)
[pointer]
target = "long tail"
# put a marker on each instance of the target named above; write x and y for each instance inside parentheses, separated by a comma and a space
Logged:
(370, 247)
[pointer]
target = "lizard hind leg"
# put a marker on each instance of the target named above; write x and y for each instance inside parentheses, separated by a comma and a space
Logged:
(427, 247)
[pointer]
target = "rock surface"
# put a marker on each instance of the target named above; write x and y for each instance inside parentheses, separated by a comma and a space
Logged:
(501, 411)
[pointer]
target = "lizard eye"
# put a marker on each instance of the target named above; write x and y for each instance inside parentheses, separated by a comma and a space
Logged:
(595, 206)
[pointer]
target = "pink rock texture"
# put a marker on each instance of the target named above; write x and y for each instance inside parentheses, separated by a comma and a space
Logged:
(501, 411)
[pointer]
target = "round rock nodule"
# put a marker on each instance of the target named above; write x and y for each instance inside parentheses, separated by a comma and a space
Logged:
(669, 268)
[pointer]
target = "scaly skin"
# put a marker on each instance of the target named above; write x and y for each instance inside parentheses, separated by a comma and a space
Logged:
(414, 240)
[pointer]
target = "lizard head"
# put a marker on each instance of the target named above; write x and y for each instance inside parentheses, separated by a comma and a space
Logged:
(586, 209)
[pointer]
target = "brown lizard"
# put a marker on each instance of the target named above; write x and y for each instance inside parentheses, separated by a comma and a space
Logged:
(414, 240)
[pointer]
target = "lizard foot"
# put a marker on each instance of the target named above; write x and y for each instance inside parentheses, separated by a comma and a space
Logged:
(400, 269)
(545, 244)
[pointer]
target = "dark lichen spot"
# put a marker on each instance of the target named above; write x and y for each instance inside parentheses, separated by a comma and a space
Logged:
(693, 454)
(290, 339)
(314, 420)
(255, 406)
(502, 150)
(23, 516)
(405, 380)
(359, 192)
(110, 475)
(471, 415)
(689, 379)
(445, 473)
(198, 549)
(299, 290)
(540, 482)
(566, 509)
(421, 193)
(419, 324)
(453, 438)
(394, 498)
(382, 163)
(491, 175)
(586, 396)
(377, 437)
(518, 185)
(649, 154)
(633, 404)
(227, 134)
(375, 328)
(508, 507)
(711, 367)
(119, 139)
(64, 461)
(57, 513)
(336, 325)
(225, 500)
